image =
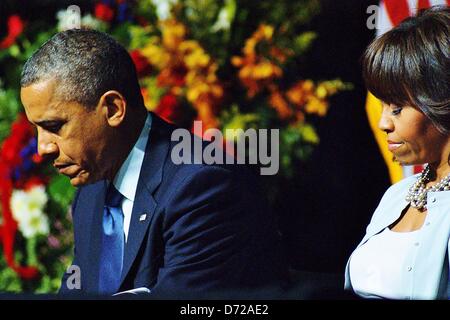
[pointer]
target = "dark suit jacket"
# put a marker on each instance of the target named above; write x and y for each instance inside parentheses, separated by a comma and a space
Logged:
(208, 228)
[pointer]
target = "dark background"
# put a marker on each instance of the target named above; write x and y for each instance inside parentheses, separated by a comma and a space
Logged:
(324, 211)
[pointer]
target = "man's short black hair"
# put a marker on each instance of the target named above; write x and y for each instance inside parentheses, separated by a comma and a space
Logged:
(85, 64)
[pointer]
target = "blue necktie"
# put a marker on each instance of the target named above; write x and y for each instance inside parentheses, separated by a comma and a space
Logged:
(113, 239)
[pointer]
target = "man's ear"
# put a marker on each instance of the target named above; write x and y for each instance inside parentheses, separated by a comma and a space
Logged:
(114, 106)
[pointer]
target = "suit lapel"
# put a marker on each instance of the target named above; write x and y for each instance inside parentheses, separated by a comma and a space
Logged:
(149, 179)
(94, 207)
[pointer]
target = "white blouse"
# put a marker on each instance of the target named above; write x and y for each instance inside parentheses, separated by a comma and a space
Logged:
(382, 267)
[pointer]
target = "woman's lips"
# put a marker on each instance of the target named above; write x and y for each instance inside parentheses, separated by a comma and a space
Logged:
(392, 146)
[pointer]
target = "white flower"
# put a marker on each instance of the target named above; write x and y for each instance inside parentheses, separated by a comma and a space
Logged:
(163, 8)
(27, 209)
(36, 224)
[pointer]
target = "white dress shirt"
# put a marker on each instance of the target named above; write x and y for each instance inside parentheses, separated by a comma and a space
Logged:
(126, 180)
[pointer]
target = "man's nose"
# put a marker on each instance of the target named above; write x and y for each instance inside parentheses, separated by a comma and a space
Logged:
(385, 122)
(46, 145)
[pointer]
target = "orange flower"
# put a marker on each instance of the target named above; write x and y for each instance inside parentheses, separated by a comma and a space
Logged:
(146, 97)
(280, 104)
(258, 70)
(206, 114)
(300, 92)
(279, 54)
(313, 97)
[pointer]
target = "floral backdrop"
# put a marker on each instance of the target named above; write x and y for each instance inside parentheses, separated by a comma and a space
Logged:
(231, 63)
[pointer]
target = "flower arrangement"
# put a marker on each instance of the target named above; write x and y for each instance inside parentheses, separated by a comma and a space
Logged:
(230, 63)
(26, 188)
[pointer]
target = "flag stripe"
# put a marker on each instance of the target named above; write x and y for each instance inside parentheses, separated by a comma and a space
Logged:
(397, 10)
(423, 4)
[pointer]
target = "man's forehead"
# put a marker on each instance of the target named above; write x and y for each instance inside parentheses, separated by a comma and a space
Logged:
(38, 100)
(37, 94)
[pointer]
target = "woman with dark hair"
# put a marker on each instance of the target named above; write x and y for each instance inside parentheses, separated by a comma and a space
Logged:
(405, 252)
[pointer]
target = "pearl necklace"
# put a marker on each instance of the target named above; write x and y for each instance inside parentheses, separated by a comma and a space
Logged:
(417, 194)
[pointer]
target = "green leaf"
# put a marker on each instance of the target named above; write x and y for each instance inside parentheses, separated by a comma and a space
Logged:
(139, 36)
(9, 279)
(14, 50)
(309, 134)
(61, 191)
(303, 42)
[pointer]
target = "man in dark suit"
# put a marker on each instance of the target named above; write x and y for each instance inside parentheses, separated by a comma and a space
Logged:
(140, 220)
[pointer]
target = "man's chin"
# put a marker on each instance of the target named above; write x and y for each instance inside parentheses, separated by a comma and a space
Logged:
(80, 180)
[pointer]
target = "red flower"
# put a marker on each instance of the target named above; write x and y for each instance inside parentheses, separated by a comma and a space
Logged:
(169, 108)
(21, 132)
(34, 182)
(15, 29)
(104, 12)
(143, 68)
(15, 26)
(27, 273)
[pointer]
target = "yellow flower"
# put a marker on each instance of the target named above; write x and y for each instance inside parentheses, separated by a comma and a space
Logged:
(321, 92)
(300, 92)
(173, 32)
(316, 106)
(197, 59)
(264, 32)
(266, 70)
(156, 55)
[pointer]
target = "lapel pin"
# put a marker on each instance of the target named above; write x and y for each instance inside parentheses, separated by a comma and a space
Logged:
(142, 217)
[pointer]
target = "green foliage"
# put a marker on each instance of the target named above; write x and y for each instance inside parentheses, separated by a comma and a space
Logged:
(9, 107)
(9, 280)
(61, 191)
(298, 140)
(303, 42)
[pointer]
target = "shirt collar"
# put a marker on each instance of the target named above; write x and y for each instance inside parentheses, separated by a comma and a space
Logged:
(127, 178)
